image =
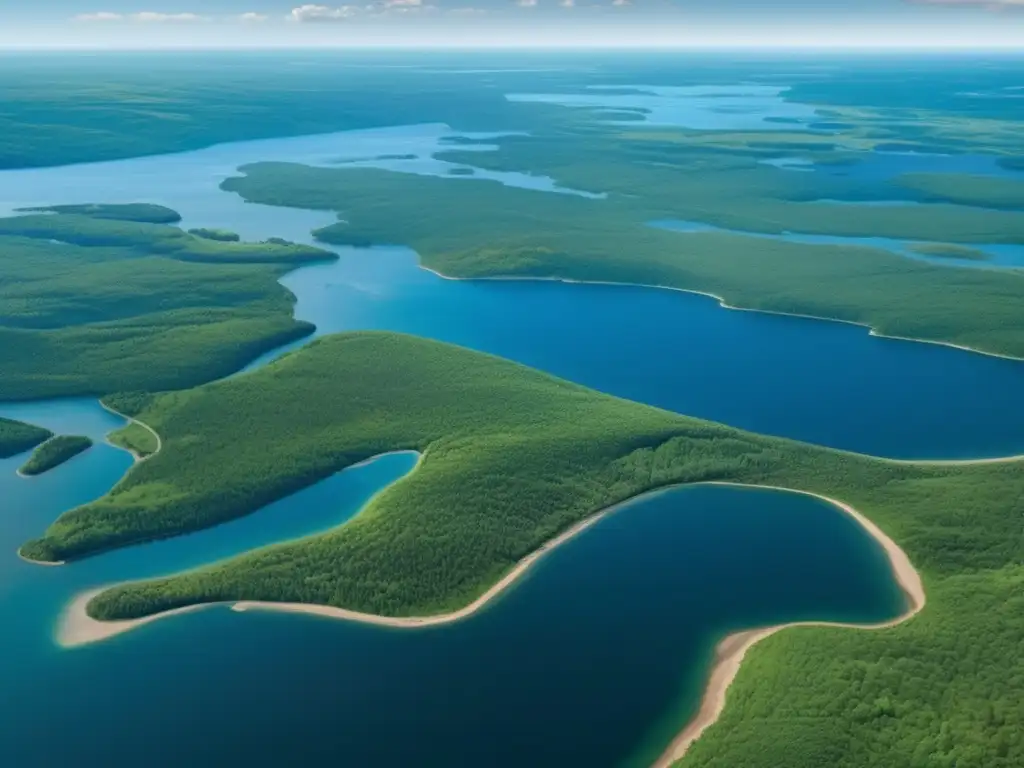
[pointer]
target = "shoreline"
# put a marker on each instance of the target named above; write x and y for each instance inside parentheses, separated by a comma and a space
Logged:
(30, 561)
(726, 305)
(135, 455)
(106, 439)
(732, 649)
(77, 628)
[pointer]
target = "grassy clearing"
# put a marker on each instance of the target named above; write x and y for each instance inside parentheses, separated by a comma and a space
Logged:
(136, 439)
(55, 452)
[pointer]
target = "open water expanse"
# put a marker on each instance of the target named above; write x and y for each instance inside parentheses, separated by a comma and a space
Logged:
(599, 654)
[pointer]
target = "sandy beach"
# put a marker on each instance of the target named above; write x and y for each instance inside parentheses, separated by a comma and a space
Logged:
(77, 628)
(135, 455)
(731, 651)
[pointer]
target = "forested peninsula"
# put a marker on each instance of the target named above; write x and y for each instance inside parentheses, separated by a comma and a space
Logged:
(512, 458)
(17, 437)
(100, 298)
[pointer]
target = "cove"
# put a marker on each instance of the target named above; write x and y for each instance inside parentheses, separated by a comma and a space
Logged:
(641, 596)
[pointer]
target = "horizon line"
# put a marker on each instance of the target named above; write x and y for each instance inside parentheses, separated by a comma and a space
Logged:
(640, 46)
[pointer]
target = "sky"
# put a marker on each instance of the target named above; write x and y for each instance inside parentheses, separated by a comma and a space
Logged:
(479, 23)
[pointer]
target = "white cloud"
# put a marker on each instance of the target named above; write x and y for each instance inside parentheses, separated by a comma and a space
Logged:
(567, 3)
(621, 3)
(526, 3)
(99, 16)
(253, 17)
(153, 17)
(143, 17)
(310, 13)
(403, 3)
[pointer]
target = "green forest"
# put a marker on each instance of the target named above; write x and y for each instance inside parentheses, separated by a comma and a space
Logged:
(140, 212)
(474, 229)
(512, 457)
(53, 453)
(17, 437)
(94, 304)
(113, 300)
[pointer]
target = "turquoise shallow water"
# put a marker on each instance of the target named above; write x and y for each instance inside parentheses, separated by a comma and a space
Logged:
(640, 597)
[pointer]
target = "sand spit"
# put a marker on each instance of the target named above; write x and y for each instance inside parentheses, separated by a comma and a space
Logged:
(733, 649)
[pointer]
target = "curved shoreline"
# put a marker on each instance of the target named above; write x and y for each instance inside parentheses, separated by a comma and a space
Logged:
(135, 455)
(76, 627)
(726, 305)
(731, 650)
(136, 460)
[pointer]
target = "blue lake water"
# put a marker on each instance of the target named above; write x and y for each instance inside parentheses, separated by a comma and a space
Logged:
(514, 685)
(640, 596)
(999, 254)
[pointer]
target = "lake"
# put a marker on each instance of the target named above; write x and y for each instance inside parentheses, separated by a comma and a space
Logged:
(599, 654)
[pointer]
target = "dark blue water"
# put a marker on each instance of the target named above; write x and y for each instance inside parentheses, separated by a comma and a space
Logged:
(826, 383)
(640, 598)
(596, 658)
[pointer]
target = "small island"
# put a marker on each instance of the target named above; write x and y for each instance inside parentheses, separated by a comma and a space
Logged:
(53, 453)
(145, 213)
(17, 437)
(950, 251)
(220, 235)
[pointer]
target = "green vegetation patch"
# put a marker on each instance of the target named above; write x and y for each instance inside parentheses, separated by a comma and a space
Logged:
(76, 229)
(55, 452)
(964, 189)
(135, 439)
(17, 437)
(92, 306)
(140, 212)
(483, 229)
(221, 235)
(512, 458)
(949, 251)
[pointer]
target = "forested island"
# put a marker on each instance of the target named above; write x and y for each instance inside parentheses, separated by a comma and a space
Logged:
(53, 453)
(17, 437)
(220, 235)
